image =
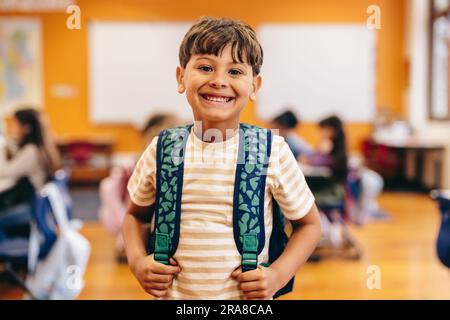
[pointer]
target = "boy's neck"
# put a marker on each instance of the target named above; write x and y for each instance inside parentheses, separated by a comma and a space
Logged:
(215, 131)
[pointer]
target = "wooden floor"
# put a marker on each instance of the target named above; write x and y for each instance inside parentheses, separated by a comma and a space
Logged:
(403, 248)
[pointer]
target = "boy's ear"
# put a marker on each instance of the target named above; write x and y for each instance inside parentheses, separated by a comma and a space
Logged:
(180, 79)
(257, 81)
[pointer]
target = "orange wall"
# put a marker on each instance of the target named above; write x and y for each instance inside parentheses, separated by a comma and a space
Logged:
(66, 60)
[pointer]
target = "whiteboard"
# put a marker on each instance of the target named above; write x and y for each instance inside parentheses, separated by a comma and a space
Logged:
(132, 71)
(318, 70)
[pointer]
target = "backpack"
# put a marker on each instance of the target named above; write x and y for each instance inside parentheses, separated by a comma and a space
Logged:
(59, 275)
(443, 239)
(248, 199)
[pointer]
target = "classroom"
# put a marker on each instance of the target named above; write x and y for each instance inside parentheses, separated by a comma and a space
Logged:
(358, 90)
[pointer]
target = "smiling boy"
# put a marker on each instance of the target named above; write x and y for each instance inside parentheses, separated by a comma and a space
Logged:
(220, 61)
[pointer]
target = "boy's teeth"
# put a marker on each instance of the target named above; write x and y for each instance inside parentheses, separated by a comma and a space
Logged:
(217, 99)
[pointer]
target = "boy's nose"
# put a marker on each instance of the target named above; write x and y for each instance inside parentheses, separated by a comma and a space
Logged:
(218, 81)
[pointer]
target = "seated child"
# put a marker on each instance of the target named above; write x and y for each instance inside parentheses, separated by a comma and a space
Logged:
(220, 61)
(33, 164)
(332, 153)
(286, 122)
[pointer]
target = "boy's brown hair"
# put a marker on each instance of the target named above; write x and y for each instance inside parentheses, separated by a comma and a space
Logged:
(211, 35)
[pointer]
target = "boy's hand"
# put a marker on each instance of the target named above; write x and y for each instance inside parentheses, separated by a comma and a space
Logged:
(154, 277)
(259, 284)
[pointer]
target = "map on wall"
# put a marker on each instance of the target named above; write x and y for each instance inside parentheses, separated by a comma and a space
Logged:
(20, 63)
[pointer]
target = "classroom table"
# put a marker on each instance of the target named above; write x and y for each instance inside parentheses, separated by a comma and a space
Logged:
(315, 171)
(94, 148)
(99, 145)
(315, 176)
(419, 148)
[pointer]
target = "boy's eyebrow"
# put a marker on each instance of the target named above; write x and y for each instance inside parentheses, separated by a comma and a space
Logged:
(211, 59)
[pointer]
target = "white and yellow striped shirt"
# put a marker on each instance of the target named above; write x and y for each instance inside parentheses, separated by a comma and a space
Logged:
(206, 252)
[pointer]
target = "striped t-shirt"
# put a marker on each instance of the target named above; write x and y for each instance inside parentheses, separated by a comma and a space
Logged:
(206, 252)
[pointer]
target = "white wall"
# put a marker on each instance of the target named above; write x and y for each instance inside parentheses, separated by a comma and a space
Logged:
(418, 92)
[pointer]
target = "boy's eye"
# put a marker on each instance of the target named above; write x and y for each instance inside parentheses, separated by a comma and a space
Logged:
(235, 72)
(205, 68)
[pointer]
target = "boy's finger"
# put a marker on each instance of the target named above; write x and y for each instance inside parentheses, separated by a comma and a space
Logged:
(157, 293)
(163, 278)
(236, 272)
(252, 275)
(251, 286)
(258, 295)
(158, 286)
(173, 262)
(164, 269)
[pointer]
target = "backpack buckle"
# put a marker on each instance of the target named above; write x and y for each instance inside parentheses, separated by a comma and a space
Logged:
(250, 252)
(161, 254)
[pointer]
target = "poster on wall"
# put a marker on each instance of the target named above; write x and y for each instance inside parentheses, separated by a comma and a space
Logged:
(20, 63)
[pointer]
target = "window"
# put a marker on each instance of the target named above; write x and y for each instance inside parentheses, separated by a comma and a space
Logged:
(439, 106)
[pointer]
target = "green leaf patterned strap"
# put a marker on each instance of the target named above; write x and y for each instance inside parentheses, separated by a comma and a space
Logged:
(249, 191)
(169, 182)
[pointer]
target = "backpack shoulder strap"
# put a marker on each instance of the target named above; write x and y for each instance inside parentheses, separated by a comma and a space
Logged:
(170, 154)
(249, 189)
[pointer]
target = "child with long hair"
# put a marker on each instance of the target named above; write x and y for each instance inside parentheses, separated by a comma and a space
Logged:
(35, 160)
(331, 153)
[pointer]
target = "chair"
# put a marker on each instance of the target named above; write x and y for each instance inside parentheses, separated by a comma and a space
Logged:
(61, 179)
(16, 250)
(81, 152)
(381, 159)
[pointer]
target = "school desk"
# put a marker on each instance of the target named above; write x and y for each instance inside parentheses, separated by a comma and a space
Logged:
(82, 156)
(419, 148)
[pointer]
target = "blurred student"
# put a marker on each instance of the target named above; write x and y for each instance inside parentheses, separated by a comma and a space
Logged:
(113, 189)
(286, 122)
(32, 164)
(331, 153)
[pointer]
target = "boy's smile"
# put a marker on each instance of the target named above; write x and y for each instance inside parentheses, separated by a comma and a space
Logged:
(217, 88)
(214, 99)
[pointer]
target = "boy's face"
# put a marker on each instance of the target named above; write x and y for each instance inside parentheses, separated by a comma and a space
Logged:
(217, 88)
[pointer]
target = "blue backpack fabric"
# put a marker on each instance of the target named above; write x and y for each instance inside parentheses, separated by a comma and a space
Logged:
(443, 239)
(248, 199)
